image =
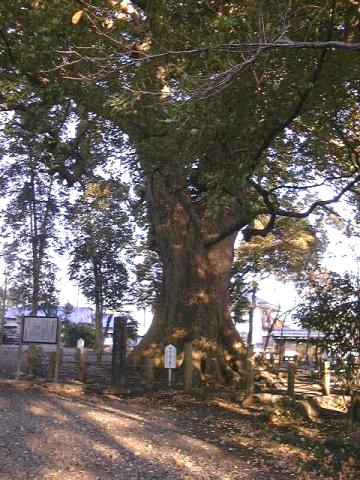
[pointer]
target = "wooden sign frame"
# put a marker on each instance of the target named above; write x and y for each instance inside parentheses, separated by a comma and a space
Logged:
(27, 318)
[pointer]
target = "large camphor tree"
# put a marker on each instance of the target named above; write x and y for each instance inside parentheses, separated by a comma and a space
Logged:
(231, 122)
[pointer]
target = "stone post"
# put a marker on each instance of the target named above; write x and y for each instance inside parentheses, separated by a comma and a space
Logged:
(80, 344)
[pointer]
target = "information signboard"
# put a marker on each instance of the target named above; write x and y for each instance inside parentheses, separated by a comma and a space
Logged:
(40, 330)
(170, 356)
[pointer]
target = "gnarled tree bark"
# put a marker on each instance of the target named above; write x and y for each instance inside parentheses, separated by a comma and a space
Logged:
(193, 304)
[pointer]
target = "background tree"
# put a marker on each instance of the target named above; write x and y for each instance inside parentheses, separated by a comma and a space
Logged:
(290, 252)
(100, 236)
(29, 224)
(67, 311)
(331, 306)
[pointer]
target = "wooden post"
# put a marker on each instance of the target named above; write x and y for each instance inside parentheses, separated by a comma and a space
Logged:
(291, 379)
(58, 356)
(188, 367)
(249, 379)
(18, 366)
(51, 368)
(34, 354)
(355, 407)
(325, 378)
(80, 358)
(31, 360)
(149, 373)
(118, 364)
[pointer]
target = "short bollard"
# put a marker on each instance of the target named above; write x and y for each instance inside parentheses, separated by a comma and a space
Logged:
(291, 379)
(325, 378)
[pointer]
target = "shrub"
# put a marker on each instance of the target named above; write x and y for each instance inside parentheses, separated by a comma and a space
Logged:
(73, 331)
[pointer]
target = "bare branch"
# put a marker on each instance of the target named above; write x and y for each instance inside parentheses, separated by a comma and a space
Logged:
(249, 47)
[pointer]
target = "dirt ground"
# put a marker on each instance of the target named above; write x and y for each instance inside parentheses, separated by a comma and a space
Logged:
(48, 433)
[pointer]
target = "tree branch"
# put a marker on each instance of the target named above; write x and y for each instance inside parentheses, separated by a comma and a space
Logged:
(248, 47)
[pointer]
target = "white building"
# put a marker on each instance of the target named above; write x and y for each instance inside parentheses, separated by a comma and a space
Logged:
(264, 319)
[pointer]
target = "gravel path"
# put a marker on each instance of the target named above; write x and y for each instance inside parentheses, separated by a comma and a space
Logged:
(45, 435)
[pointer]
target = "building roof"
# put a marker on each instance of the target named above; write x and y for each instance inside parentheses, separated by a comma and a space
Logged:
(78, 315)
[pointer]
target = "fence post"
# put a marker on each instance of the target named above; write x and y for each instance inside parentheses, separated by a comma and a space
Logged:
(118, 360)
(355, 407)
(291, 379)
(34, 359)
(58, 362)
(59, 351)
(31, 354)
(51, 368)
(188, 367)
(80, 358)
(149, 373)
(249, 379)
(325, 377)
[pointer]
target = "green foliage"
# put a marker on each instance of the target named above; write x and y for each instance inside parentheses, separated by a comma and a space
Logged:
(67, 311)
(132, 327)
(29, 228)
(148, 279)
(290, 252)
(101, 234)
(294, 101)
(71, 333)
(331, 306)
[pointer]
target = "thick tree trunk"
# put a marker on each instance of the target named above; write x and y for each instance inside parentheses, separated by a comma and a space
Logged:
(193, 305)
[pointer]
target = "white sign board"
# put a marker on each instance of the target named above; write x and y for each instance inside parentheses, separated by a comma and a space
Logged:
(170, 356)
(40, 330)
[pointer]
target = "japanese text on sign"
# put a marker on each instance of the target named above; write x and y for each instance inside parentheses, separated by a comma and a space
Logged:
(170, 356)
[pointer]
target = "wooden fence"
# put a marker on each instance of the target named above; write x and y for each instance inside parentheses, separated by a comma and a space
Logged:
(90, 368)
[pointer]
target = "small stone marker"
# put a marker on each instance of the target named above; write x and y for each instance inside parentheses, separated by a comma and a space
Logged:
(170, 360)
(81, 345)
